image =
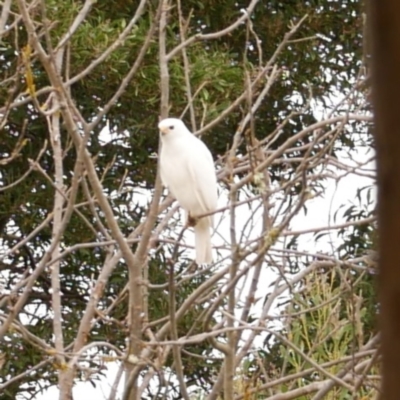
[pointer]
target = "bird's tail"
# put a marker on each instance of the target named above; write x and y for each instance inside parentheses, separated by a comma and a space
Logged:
(202, 237)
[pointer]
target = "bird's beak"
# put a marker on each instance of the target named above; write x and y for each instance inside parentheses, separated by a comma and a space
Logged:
(163, 130)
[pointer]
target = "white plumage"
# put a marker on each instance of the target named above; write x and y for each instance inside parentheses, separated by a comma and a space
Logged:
(187, 169)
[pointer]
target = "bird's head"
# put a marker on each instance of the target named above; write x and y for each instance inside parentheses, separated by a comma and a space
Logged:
(172, 126)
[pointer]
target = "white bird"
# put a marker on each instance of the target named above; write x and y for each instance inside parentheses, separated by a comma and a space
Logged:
(187, 169)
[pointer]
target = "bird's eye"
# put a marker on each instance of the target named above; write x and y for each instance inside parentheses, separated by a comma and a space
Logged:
(171, 127)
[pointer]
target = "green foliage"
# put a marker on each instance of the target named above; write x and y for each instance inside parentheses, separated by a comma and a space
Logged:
(330, 316)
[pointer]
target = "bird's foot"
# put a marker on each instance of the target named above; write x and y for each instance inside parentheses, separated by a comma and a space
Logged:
(191, 221)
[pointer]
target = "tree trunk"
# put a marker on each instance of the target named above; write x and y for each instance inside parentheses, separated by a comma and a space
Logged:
(384, 19)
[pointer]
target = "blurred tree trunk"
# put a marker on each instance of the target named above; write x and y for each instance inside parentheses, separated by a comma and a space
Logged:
(384, 18)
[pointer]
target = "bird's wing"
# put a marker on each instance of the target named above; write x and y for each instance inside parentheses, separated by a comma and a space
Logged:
(202, 172)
